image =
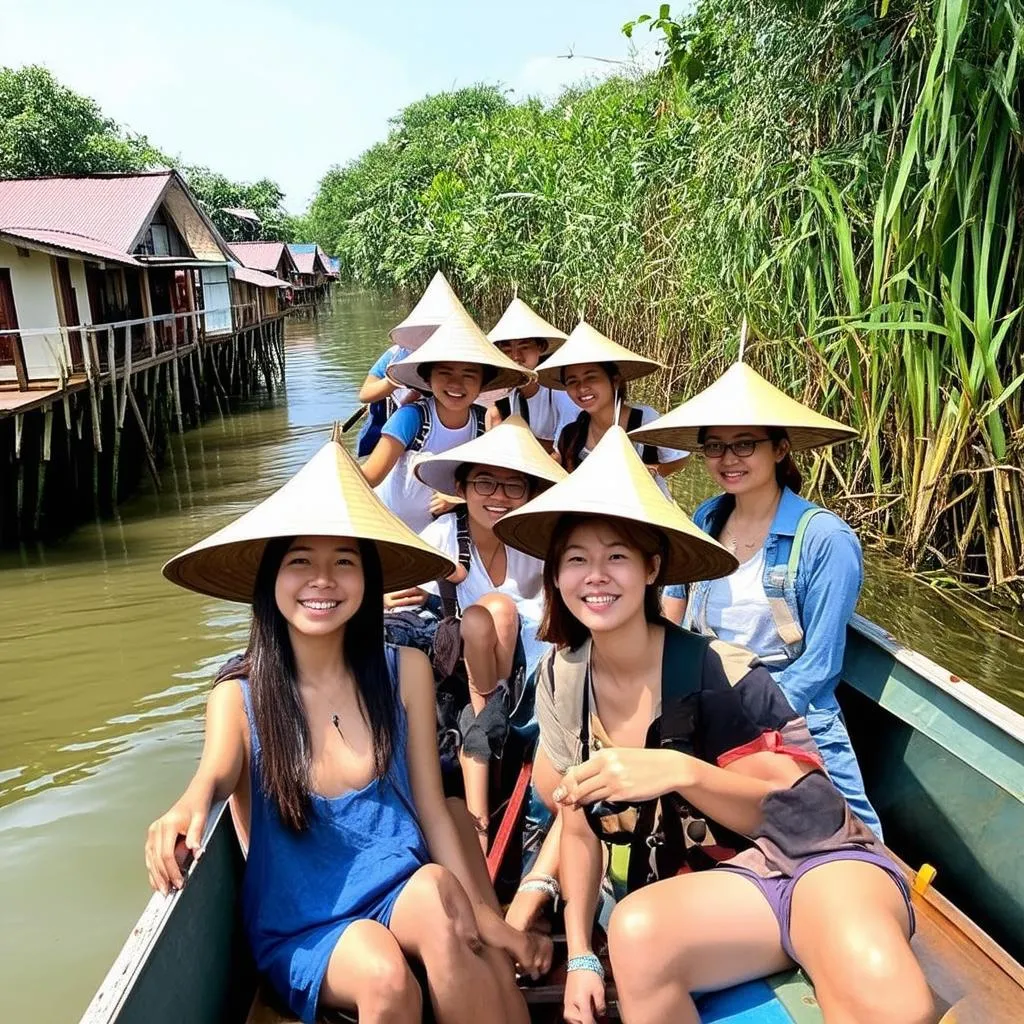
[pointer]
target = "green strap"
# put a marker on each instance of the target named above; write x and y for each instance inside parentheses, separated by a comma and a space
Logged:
(798, 543)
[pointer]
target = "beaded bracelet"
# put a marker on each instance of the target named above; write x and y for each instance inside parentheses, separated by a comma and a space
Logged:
(546, 884)
(585, 962)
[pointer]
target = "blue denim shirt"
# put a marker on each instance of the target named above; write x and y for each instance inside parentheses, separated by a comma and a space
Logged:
(822, 598)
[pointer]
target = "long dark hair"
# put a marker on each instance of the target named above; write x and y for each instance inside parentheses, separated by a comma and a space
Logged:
(559, 626)
(269, 665)
(787, 474)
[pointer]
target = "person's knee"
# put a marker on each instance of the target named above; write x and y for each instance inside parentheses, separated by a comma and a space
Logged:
(633, 945)
(388, 989)
(445, 912)
(503, 612)
(872, 979)
(477, 626)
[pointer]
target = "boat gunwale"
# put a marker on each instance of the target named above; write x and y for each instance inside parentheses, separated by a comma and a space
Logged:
(109, 998)
(1002, 717)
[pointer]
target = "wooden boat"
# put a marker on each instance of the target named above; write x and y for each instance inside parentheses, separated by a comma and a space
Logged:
(944, 766)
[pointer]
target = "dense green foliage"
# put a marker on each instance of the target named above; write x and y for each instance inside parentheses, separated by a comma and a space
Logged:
(849, 176)
(46, 128)
(263, 197)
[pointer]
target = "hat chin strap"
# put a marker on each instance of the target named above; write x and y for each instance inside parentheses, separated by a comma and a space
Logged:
(618, 407)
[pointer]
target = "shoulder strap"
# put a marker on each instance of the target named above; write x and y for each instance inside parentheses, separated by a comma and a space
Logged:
(426, 422)
(522, 407)
(504, 407)
(445, 588)
(798, 542)
(788, 627)
(480, 418)
(649, 452)
(391, 659)
(572, 440)
(683, 673)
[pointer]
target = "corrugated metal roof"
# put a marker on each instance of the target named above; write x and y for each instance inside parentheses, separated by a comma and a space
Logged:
(305, 261)
(106, 211)
(258, 255)
(61, 240)
(258, 278)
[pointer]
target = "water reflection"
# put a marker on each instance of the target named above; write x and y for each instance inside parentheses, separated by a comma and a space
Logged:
(105, 667)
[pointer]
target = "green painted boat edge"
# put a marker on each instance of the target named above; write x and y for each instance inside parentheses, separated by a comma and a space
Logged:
(964, 721)
(795, 992)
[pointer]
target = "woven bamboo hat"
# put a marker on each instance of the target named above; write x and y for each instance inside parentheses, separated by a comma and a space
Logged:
(459, 340)
(436, 304)
(509, 445)
(613, 482)
(587, 345)
(519, 321)
(328, 497)
(741, 397)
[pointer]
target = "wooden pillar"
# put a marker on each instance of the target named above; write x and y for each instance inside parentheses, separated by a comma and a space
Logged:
(198, 326)
(147, 311)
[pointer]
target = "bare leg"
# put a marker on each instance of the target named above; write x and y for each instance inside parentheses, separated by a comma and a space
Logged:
(368, 972)
(525, 907)
(850, 928)
(432, 920)
(471, 848)
(688, 934)
(489, 631)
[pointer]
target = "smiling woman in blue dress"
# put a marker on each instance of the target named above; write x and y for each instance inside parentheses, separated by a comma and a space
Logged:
(324, 737)
(800, 570)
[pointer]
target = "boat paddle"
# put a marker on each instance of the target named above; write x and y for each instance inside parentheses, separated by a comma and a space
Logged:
(354, 419)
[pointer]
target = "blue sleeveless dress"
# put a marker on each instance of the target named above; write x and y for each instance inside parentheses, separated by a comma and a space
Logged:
(301, 890)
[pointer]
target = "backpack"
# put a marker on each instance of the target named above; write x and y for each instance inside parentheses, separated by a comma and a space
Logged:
(504, 407)
(669, 837)
(377, 416)
(479, 414)
(573, 439)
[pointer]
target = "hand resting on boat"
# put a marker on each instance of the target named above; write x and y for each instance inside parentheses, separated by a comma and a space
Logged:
(216, 778)
(731, 795)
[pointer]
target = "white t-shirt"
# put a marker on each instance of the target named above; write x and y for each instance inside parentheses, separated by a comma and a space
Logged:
(647, 415)
(738, 612)
(523, 583)
(400, 490)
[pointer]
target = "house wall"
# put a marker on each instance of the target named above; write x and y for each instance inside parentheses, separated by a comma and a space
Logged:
(81, 291)
(36, 306)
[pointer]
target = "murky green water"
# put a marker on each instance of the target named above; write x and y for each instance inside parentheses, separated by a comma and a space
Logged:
(104, 668)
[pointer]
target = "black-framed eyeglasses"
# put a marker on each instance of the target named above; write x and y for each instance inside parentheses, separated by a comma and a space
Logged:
(741, 449)
(485, 486)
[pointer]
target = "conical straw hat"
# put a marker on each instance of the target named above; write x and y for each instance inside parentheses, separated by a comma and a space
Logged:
(509, 445)
(741, 397)
(587, 345)
(613, 482)
(459, 340)
(327, 497)
(436, 304)
(519, 321)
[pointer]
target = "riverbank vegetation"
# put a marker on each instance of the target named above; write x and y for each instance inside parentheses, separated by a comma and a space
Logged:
(847, 175)
(47, 128)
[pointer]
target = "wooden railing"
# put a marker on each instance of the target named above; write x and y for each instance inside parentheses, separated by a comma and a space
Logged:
(53, 355)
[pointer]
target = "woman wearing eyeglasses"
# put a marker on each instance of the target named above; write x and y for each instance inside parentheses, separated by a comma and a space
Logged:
(743, 856)
(800, 571)
(499, 591)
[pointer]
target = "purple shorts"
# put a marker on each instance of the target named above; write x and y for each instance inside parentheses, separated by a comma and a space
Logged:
(779, 891)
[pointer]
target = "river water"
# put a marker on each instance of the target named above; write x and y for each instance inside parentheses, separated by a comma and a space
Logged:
(105, 667)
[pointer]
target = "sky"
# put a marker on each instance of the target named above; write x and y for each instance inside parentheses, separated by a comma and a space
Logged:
(255, 88)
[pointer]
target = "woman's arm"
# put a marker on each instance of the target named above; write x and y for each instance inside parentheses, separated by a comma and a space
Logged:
(375, 388)
(382, 459)
(492, 418)
(668, 468)
(834, 572)
(731, 795)
(219, 770)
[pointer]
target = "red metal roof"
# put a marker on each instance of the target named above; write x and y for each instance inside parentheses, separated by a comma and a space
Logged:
(305, 261)
(258, 278)
(62, 240)
(102, 212)
(258, 255)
